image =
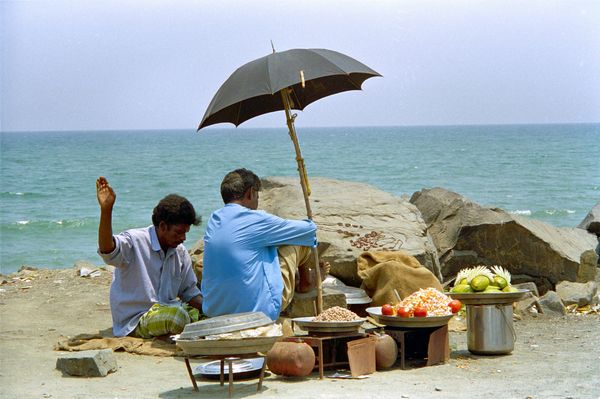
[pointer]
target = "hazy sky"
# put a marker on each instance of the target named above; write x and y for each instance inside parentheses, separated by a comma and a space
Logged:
(76, 65)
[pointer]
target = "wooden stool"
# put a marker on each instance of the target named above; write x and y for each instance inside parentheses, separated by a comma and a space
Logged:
(317, 343)
(438, 346)
(229, 359)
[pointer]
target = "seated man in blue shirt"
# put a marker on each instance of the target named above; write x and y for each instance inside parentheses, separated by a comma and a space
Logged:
(154, 290)
(242, 271)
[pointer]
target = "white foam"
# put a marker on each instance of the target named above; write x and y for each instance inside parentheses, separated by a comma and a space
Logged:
(22, 222)
(525, 212)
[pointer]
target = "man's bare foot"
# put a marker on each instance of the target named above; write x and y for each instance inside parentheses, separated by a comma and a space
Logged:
(324, 268)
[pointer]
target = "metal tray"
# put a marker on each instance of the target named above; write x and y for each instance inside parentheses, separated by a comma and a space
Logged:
(225, 324)
(229, 347)
(308, 324)
(412, 322)
(242, 368)
(490, 298)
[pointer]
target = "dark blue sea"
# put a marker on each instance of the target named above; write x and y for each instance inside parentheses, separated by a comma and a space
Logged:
(49, 213)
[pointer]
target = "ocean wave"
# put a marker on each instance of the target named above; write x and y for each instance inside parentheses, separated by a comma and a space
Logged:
(553, 212)
(543, 213)
(13, 194)
(525, 212)
(49, 224)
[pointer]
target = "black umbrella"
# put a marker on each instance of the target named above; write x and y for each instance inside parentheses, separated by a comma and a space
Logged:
(286, 80)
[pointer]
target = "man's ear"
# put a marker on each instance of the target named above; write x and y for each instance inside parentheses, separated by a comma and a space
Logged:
(162, 226)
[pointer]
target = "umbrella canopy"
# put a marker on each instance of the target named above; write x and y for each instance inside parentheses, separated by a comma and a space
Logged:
(310, 74)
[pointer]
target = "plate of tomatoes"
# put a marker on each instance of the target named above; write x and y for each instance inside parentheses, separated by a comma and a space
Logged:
(403, 317)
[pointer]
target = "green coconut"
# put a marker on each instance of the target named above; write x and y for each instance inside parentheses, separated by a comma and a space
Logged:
(480, 283)
(462, 289)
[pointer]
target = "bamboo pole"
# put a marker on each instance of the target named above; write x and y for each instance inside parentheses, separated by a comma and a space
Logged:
(305, 188)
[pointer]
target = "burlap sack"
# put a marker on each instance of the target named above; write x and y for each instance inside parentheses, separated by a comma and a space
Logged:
(382, 271)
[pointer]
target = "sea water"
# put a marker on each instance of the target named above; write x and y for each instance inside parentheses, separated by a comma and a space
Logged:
(49, 213)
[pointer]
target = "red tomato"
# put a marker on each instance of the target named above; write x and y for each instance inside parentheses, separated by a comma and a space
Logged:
(420, 312)
(387, 310)
(403, 311)
(455, 305)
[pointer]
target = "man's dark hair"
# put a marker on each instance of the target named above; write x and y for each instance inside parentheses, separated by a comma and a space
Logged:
(175, 209)
(236, 183)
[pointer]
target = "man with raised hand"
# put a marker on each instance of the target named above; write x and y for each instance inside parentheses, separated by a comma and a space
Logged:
(154, 290)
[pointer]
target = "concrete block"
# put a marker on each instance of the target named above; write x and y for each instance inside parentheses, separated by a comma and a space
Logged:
(94, 363)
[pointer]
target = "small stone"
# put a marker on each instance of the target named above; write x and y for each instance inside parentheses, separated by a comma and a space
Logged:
(438, 389)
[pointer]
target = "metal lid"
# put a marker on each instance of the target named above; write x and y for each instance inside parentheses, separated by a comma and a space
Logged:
(225, 324)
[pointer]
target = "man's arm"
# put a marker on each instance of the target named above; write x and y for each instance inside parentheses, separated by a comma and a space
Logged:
(106, 200)
(274, 231)
(196, 302)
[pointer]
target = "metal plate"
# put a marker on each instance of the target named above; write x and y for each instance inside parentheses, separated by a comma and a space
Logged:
(224, 324)
(413, 322)
(490, 298)
(239, 366)
(308, 324)
(206, 347)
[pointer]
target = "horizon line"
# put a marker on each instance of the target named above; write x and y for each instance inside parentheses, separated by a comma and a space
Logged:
(230, 126)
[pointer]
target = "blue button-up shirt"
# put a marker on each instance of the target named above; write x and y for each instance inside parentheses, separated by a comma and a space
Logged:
(145, 275)
(241, 271)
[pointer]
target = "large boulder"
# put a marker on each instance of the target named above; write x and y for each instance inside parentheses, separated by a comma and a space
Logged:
(352, 218)
(467, 234)
(591, 222)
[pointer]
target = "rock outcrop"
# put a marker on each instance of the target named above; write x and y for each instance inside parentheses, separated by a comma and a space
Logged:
(352, 218)
(467, 234)
(591, 222)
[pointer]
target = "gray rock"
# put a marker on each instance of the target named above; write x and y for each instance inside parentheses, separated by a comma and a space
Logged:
(552, 305)
(528, 286)
(94, 363)
(352, 218)
(525, 305)
(467, 234)
(303, 305)
(577, 293)
(591, 222)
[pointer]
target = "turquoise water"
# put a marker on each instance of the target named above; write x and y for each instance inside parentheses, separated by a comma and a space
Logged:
(49, 213)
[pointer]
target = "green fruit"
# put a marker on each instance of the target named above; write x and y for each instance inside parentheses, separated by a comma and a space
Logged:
(463, 281)
(462, 289)
(500, 282)
(480, 283)
(492, 288)
(510, 288)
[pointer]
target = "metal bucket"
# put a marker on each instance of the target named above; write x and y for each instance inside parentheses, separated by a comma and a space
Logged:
(490, 329)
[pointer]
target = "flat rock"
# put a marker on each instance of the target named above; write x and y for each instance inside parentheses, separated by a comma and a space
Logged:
(552, 305)
(94, 363)
(528, 286)
(303, 305)
(352, 218)
(580, 294)
(467, 234)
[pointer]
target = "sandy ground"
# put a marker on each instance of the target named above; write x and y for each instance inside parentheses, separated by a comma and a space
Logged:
(553, 357)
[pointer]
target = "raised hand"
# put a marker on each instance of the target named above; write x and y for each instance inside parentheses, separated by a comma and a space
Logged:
(105, 193)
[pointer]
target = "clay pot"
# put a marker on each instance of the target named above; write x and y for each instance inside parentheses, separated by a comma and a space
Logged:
(386, 352)
(294, 359)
